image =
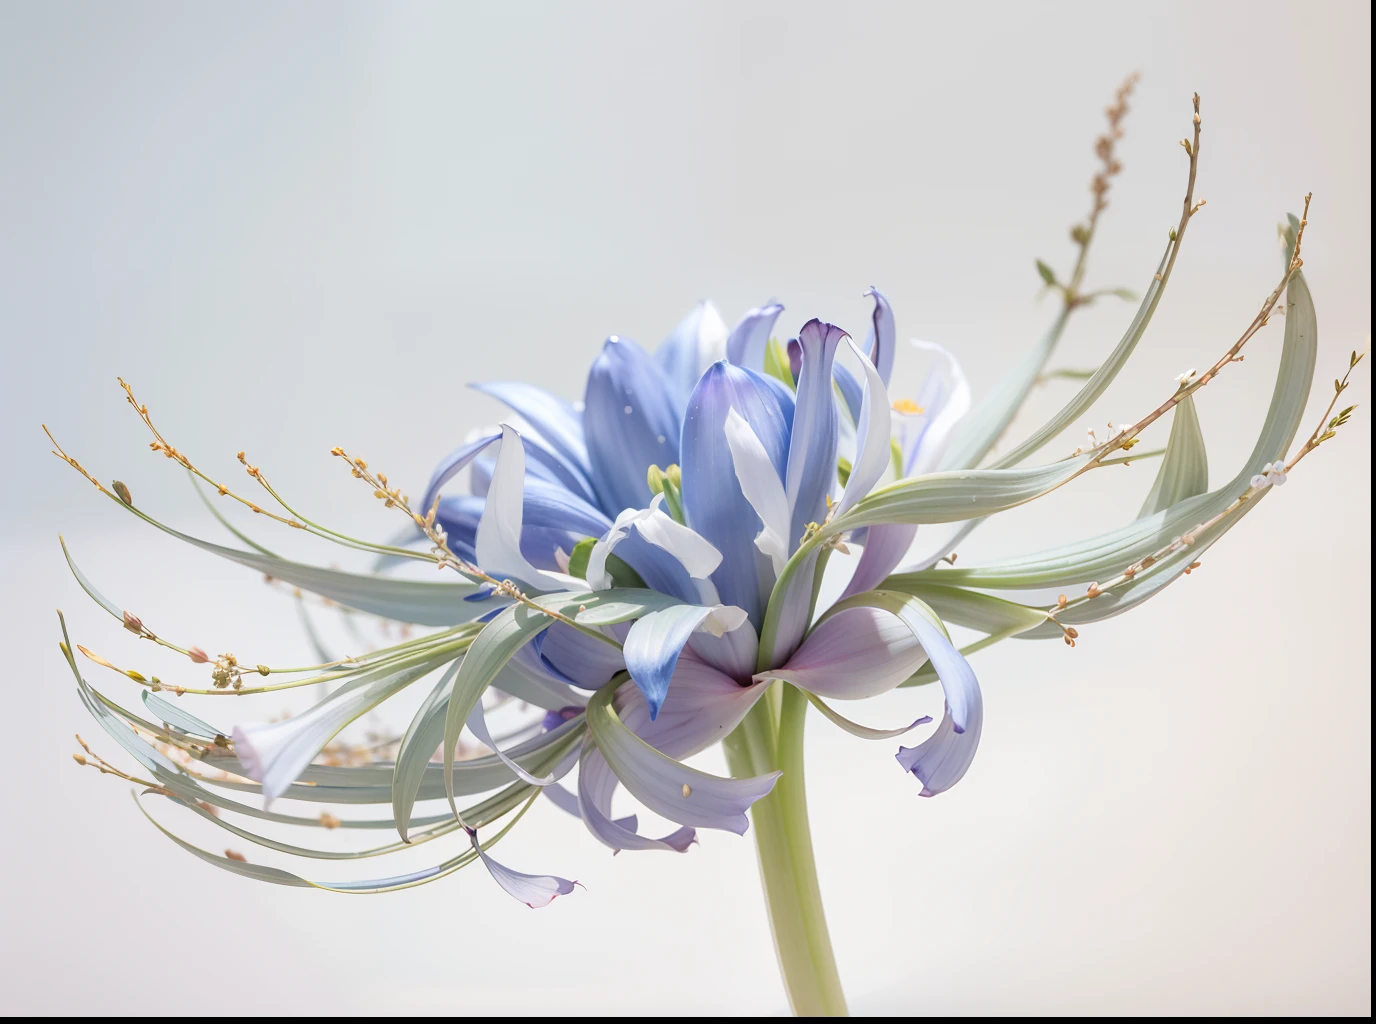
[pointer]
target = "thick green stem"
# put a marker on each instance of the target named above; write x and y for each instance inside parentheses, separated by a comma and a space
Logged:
(771, 737)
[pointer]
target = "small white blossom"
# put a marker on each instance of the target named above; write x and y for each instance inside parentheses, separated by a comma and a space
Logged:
(1185, 377)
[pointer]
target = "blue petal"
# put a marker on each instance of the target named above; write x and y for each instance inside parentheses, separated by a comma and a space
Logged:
(652, 648)
(631, 424)
(698, 341)
(941, 760)
(882, 338)
(553, 518)
(453, 464)
(553, 420)
(712, 498)
(580, 658)
(749, 338)
(812, 444)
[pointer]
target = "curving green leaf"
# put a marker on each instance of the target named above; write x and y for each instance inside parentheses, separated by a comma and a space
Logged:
(1184, 471)
(980, 430)
(1103, 376)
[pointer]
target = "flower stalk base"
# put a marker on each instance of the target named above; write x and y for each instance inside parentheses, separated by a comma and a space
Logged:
(770, 738)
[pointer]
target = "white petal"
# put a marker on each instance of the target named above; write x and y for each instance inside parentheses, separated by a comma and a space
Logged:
(872, 455)
(498, 543)
(952, 410)
(762, 488)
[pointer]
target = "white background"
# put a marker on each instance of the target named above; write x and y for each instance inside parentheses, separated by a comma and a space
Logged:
(294, 226)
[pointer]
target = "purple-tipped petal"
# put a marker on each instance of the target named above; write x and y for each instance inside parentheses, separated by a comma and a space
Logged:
(941, 760)
(713, 502)
(655, 641)
(534, 891)
(882, 340)
(631, 420)
(666, 786)
(853, 653)
(811, 470)
(872, 452)
(749, 338)
(885, 547)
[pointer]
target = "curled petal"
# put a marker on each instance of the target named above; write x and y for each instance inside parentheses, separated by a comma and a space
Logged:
(852, 653)
(941, 760)
(885, 546)
(534, 891)
(477, 725)
(882, 339)
(872, 453)
(746, 344)
(697, 555)
(631, 418)
(655, 641)
(863, 731)
(596, 786)
(666, 786)
(762, 488)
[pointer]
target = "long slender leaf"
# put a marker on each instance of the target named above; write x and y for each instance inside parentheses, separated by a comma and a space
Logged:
(1103, 376)
(981, 429)
(1184, 471)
